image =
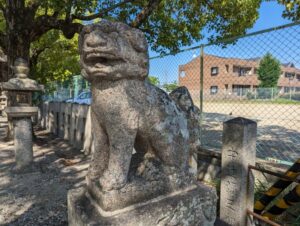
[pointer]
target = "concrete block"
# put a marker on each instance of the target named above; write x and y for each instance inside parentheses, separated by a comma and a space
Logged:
(194, 205)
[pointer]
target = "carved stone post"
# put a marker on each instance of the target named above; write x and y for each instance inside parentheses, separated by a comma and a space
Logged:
(23, 142)
(238, 151)
(20, 111)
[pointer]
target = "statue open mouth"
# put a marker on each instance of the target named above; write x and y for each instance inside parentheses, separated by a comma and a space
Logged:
(102, 59)
(113, 53)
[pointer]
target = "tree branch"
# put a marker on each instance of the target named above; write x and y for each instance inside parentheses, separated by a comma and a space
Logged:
(45, 23)
(34, 5)
(143, 15)
(147, 30)
(35, 55)
(101, 13)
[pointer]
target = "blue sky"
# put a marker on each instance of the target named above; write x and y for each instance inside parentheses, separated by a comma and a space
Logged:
(269, 16)
(281, 44)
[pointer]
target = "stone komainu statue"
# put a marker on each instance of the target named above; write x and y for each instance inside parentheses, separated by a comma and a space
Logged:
(127, 112)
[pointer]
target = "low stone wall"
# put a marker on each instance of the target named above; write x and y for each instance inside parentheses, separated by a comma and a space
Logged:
(66, 120)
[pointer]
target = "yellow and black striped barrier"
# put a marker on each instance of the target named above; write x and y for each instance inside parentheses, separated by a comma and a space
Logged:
(290, 199)
(278, 187)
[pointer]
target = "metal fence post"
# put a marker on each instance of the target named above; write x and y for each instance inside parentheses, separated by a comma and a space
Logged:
(201, 92)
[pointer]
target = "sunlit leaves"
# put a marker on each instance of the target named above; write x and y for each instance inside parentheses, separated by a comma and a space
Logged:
(170, 25)
(58, 61)
(178, 23)
(292, 9)
(154, 80)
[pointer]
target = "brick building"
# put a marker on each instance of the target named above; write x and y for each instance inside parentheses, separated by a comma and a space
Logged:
(232, 77)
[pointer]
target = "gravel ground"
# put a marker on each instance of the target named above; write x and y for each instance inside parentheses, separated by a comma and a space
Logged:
(40, 197)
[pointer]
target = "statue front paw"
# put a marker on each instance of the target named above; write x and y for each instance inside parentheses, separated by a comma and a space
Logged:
(110, 181)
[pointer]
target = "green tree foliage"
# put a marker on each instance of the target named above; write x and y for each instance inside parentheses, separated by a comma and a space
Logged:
(168, 24)
(292, 9)
(153, 80)
(53, 57)
(169, 87)
(269, 71)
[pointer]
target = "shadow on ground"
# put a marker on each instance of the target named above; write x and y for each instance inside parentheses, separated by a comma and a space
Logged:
(273, 141)
(40, 197)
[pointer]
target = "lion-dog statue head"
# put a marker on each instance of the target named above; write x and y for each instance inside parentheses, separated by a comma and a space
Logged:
(112, 51)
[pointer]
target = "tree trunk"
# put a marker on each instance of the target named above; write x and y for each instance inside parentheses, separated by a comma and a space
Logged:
(18, 46)
(18, 23)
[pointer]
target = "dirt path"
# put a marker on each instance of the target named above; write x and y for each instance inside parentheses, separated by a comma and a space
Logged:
(40, 197)
(278, 135)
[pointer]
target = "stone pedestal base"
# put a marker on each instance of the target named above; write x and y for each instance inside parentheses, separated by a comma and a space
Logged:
(195, 205)
(23, 143)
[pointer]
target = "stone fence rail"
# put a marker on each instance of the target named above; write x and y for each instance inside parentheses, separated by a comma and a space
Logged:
(66, 120)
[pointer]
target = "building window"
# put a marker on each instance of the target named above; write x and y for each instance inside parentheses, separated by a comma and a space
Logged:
(287, 89)
(240, 90)
(213, 90)
(182, 74)
(214, 71)
(298, 77)
(227, 67)
(242, 71)
(289, 75)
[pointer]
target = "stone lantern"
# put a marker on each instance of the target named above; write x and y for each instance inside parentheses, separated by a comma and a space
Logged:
(19, 110)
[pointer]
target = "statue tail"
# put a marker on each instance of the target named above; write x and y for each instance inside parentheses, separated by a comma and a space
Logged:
(182, 97)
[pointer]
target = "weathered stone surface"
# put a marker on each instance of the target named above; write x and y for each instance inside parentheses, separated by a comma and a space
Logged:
(21, 82)
(20, 111)
(127, 111)
(238, 152)
(146, 180)
(153, 186)
(23, 143)
(195, 205)
(182, 97)
(88, 136)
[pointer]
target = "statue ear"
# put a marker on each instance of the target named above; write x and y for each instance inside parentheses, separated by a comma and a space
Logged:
(137, 39)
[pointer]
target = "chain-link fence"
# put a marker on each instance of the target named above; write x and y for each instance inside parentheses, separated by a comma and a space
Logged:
(256, 76)
(72, 90)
